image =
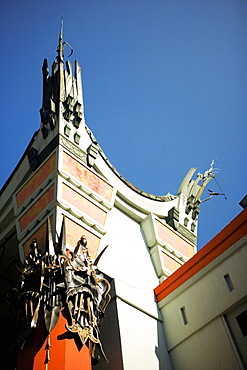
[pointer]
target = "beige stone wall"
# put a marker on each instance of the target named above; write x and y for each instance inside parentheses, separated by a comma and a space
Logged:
(200, 315)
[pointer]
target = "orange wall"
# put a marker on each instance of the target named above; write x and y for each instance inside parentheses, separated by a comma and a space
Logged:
(64, 354)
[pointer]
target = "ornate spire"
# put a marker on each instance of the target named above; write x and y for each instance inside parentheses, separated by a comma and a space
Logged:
(62, 104)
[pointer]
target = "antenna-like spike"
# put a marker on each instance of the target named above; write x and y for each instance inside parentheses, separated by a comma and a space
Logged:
(220, 188)
(49, 241)
(62, 239)
(61, 29)
(99, 256)
(60, 44)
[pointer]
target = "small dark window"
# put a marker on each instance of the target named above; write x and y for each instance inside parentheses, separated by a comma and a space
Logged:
(242, 322)
(229, 283)
(184, 316)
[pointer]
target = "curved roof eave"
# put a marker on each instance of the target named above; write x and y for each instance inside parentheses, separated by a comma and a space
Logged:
(160, 198)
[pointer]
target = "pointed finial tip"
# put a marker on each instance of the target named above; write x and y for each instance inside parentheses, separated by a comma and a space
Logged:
(61, 28)
(60, 43)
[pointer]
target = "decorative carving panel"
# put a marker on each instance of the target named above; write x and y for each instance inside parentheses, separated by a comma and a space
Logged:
(169, 263)
(87, 177)
(174, 240)
(40, 176)
(83, 204)
(37, 208)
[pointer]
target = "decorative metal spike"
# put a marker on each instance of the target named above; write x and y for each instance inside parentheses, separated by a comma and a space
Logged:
(100, 255)
(62, 239)
(49, 240)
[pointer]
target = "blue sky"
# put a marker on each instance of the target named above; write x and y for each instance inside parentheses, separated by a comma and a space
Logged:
(164, 88)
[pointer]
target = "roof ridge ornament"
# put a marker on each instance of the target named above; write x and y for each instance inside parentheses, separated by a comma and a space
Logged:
(192, 190)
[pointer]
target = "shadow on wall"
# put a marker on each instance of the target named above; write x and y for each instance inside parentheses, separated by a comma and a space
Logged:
(110, 335)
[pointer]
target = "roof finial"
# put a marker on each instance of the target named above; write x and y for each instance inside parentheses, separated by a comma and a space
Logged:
(61, 29)
(60, 44)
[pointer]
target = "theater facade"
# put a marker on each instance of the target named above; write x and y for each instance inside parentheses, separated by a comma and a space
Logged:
(103, 272)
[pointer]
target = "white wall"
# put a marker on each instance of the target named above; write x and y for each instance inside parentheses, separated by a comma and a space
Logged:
(127, 260)
(205, 342)
(208, 348)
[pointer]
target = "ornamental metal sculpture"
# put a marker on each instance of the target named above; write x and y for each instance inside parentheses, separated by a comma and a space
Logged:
(54, 281)
(87, 294)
